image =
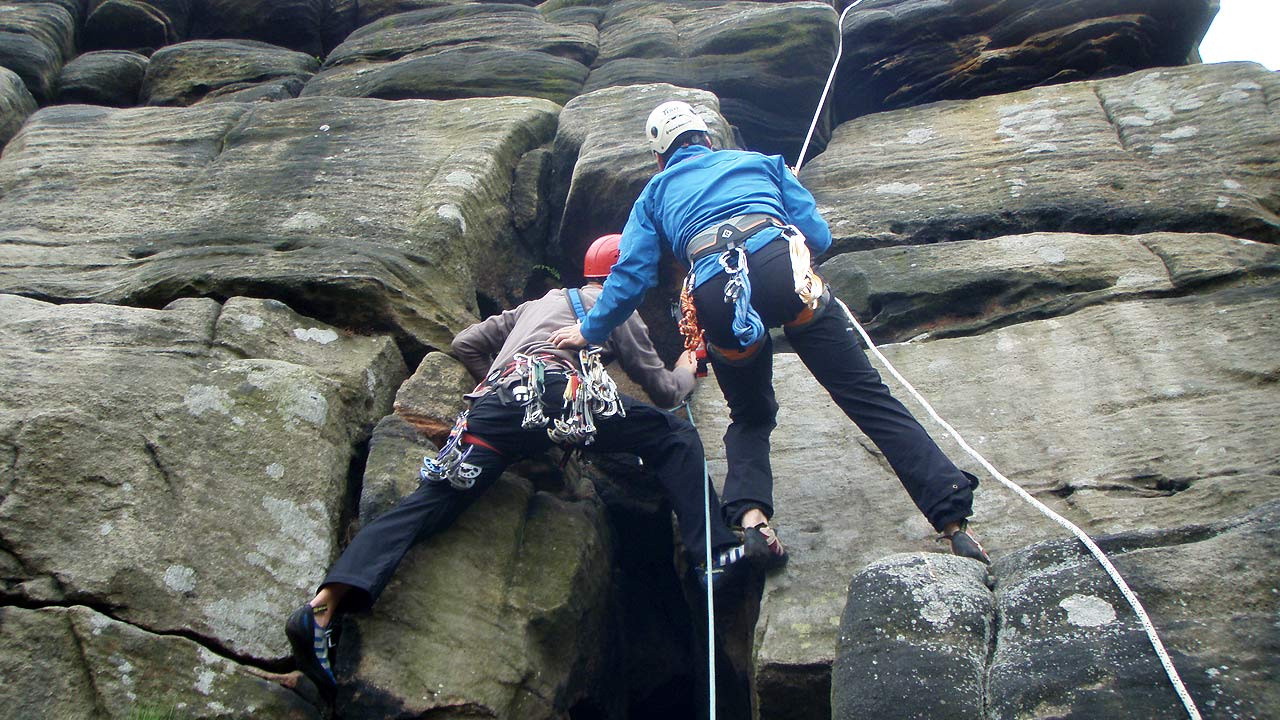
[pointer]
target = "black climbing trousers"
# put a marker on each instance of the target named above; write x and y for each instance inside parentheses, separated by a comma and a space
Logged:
(667, 444)
(829, 347)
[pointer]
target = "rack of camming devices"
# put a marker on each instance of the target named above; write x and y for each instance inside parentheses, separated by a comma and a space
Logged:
(589, 394)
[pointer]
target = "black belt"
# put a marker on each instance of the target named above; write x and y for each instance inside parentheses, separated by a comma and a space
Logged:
(728, 235)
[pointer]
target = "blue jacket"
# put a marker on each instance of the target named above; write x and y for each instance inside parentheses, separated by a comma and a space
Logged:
(698, 189)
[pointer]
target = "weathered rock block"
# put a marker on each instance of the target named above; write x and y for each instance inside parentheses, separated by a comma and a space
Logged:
(189, 72)
(911, 52)
(465, 50)
(103, 77)
(601, 161)
(431, 399)
(1069, 643)
(914, 640)
(75, 7)
(295, 24)
(16, 105)
(923, 637)
(502, 615)
(371, 10)
(767, 62)
(1184, 150)
(35, 39)
(75, 663)
(185, 467)
(379, 215)
(971, 286)
(142, 25)
(1125, 416)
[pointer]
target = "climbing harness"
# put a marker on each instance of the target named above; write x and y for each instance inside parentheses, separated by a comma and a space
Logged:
(726, 235)
(1080, 534)
(728, 240)
(450, 464)
(588, 394)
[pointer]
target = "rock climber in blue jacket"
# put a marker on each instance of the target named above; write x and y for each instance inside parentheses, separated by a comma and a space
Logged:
(746, 227)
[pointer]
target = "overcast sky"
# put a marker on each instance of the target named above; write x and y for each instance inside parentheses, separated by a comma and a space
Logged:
(1245, 30)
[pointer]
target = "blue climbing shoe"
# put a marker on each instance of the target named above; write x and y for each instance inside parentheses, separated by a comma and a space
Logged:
(311, 645)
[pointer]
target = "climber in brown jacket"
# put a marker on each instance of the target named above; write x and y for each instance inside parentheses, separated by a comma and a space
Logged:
(531, 395)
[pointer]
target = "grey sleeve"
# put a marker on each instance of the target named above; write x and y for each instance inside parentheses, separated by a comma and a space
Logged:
(640, 361)
(479, 344)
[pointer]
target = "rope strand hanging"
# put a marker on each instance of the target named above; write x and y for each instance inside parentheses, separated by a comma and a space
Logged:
(1145, 620)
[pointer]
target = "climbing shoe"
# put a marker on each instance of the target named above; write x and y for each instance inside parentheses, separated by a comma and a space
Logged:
(311, 645)
(763, 547)
(964, 544)
(726, 569)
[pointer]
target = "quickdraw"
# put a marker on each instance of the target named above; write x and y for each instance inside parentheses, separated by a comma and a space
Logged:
(450, 464)
(588, 395)
(600, 390)
(533, 371)
(734, 262)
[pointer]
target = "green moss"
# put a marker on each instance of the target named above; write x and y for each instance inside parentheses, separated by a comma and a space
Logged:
(156, 712)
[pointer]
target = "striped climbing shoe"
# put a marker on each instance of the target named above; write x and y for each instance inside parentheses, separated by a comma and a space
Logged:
(311, 645)
(726, 569)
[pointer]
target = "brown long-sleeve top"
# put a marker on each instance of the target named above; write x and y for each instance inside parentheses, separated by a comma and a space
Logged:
(494, 342)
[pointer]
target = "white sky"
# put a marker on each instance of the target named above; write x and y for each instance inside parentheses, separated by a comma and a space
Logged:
(1245, 30)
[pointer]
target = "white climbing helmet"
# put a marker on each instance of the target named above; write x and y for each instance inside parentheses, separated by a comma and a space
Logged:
(668, 121)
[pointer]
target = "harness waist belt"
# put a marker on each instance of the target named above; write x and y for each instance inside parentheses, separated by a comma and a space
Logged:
(729, 233)
(554, 365)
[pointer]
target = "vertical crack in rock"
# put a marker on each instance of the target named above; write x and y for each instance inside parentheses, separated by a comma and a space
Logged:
(9, 466)
(349, 514)
(91, 679)
(1111, 118)
(997, 622)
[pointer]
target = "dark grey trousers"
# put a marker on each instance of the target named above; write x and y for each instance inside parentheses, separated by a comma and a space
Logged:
(667, 444)
(829, 347)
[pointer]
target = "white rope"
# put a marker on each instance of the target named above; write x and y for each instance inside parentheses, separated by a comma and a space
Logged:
(1096, 551)
(711, 608)
(826, 88)
(1084, 538)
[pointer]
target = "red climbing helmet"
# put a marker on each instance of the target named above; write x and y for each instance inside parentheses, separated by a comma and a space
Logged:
(601, 256)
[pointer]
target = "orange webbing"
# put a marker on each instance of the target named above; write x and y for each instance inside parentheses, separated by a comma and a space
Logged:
(689, 317)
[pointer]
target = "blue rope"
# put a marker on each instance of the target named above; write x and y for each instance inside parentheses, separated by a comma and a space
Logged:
(747, 325)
